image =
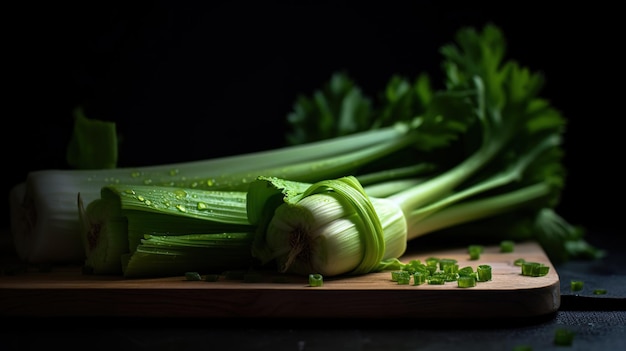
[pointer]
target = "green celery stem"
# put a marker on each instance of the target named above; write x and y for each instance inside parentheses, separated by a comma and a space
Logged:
(475, 209)
(442, 185)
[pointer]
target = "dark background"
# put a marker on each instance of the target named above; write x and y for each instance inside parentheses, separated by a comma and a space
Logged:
(193, 80)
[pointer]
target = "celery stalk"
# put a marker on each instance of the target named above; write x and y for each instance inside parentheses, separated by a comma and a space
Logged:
(412, 122)
(119, 221)
(168, 255)
(327, 230)
(333, 228)
(45, 225)
(126, 230)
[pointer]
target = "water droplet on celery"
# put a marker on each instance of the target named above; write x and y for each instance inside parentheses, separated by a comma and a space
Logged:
(141, 198)
(174, 172)
(202, 206)
(179, 193)
(111, 180)
(181, 208)
(135, 174)
(147, 181)
(129, 191)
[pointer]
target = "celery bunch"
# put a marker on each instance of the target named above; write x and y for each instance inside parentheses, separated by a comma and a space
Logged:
(365, 179)
(513, 166)
(386, 164)
(44, 221)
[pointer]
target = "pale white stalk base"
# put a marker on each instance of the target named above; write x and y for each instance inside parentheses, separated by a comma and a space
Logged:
(320, 235)
(39, 237)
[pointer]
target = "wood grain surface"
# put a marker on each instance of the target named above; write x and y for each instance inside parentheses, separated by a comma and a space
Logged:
(65, 291)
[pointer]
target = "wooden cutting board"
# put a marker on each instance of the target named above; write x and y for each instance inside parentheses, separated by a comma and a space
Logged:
(65, 291)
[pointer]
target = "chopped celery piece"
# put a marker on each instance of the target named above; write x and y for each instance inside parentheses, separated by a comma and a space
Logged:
(534, 269)
(451, 268)
(466, 271)
(475, 251)
(507, 246)
(316, 280)
(474, 255)
(432, 264)
(413, 266)
(432, 261)
(404, 278)
(475, 247)
(432, 269)
(466, 281)
(419, 278)
(576, 285)
(434, 280)
(444, 262)
(528, 267)
(395, 275)
(484, 272)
